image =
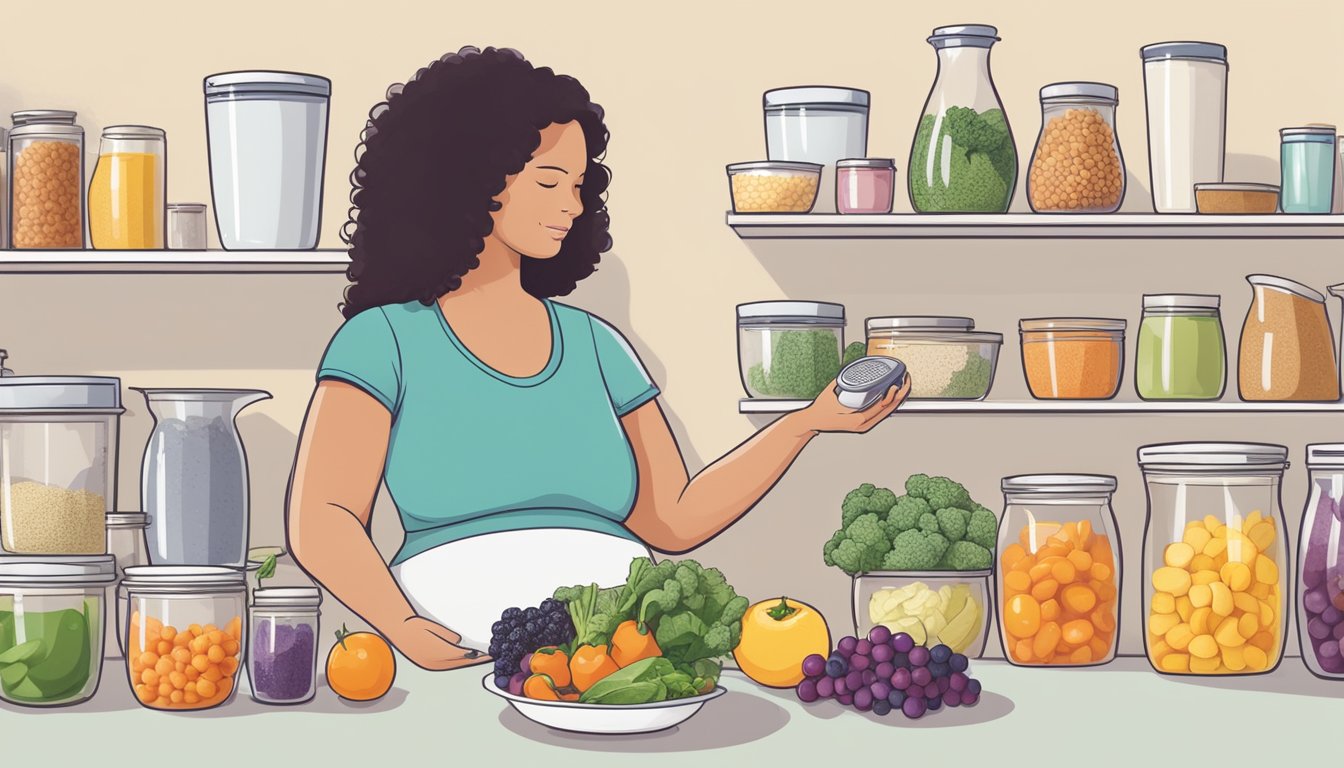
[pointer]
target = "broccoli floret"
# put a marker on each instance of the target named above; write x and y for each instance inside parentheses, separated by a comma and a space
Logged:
(965, 556)
(976, 132)
(865, 499)
(907, 511)
(928, 523)
(828, 549)
(952, 523)
(915, 550)
(917, 485)
(982, 528)
(967, 165)
(853, 352)
(971, 381)
(802, 363)
(942, 493)
(859, 547)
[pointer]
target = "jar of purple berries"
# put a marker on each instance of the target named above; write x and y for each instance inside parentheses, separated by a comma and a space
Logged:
(282, 657)
(1320, 583)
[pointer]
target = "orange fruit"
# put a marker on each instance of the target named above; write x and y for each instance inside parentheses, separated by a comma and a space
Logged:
(360, 666)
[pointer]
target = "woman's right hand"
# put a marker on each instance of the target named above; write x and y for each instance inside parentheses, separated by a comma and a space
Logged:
(432, 646)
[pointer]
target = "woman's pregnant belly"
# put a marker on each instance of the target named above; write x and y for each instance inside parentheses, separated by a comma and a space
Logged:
(466, 584)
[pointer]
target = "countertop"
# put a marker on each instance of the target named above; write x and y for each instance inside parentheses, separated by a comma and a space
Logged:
(1087, 717)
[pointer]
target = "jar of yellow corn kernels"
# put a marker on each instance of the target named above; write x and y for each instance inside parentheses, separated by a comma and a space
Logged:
(1077, 166)
(46, 185)
(1215, 562)
(774, 186)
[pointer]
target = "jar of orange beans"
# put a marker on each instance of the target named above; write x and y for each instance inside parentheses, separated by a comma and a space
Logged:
(184, 634)
(1058, 582)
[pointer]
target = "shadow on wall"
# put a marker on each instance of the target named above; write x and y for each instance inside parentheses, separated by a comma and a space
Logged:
(1251, 168)
(270, 457)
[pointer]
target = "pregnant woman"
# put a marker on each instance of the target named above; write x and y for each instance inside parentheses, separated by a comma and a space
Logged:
(521, 439)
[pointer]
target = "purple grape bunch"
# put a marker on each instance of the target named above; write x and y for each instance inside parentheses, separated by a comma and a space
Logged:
(884, 673)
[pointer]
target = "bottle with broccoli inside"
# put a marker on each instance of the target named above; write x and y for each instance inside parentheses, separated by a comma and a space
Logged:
(963, 159)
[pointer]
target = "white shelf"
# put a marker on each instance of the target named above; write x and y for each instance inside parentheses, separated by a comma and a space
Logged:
(1100, 407)
(1149, 226)
(328, 261)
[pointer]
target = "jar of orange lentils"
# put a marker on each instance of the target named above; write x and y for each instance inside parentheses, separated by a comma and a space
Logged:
(1058, 581)
(46, 185)
(184, 634)
(1077, 166)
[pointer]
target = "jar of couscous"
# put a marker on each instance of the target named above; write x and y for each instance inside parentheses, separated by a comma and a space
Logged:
(1073, 358)
(1077, 166)
(46, 185)
(946, 357)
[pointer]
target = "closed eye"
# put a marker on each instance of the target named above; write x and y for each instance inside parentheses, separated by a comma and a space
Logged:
(547, 186)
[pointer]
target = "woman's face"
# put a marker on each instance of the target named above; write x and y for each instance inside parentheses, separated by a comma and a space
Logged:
(540, 202)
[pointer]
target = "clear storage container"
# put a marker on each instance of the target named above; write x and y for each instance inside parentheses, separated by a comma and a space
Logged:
(1077, 166)
(187, 227)
(52, 612)
(1287, 345)
(127, 544)
(789, 349)
(1307, 159)
(1185, 95)
(46, 185)
(184, 635)
(773, 187)
(865, 185)
(947, 359)
(126, 194)
(1059, 575)
(821, 125)
(948, 607)
(1215, 562)
(282, 655)
(1181, 351)
(1073, 358)
(58, 459)
(1320, 584)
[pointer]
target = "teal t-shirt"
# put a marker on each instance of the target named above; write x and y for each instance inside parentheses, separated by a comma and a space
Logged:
(475, 451)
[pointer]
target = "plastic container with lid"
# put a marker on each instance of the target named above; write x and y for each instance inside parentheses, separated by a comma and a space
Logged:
(46, 184)
(1287, 350)
(267, 136)
(187, 229)
(817, 124)
(773, 186)
(1181, 354)
(947, 359)
(58, 477)
(282, 655)
(1185, 96)
(1077, 166)
(1236, 198)
(865, 185)
(1307, 159)
(933, 607)
(127, 544)
(187, 614)
(1073, 358)
(126, 194)
(1320, 583)
(1059, 575)
(789, 349)
(1215, 563)
(52, 611)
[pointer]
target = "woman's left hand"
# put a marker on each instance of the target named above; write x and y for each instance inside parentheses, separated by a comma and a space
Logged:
(826, 414)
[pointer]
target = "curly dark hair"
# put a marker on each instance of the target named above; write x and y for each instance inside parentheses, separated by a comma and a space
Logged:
(432, 158)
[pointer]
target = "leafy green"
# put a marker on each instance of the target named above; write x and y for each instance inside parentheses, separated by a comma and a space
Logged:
(640, 683)
(595, 613)
(267, 569)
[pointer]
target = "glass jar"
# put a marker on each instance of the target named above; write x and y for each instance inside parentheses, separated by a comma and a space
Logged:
(1214, 557)
(1307, 158)
(1181, 352)
(282, 656)
(46, 186)
(126, 195)
(127, 544)
(1287, 346)
(865, 185)
(1320, 584)
(1185, 97)
(184, 635)
(789, 349)
(946, 357)
(1077, 166)
(1073, 358)
(1058, 583)
(58, 443)
(52, 613)
(187, 227)
(963, 159)
(4, 189)
(933, 607)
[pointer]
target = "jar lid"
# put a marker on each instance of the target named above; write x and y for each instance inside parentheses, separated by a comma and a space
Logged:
(1322, 134)
(60, 393)
(43, 570)
(1236, 186)
(183, 579)
(287, 597)
(262, 81)
(45, 129)
(1103, 324)
(133, 132)
(26, 116)
(1061, 484)
(198, 395)
(1284, 284)
(964, 36)
(1181, 301)
(127, 520)
(1325, 455)
(790, 311)
(867, 162)
(1184, 50)
(816, 95)
(187, 207)
(1190, 455)
(775, 165)
(912, 322)
(1081, 89)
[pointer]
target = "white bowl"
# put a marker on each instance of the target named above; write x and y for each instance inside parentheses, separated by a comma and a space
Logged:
(604, 719)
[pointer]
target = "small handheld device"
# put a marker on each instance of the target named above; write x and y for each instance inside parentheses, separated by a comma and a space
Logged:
(864, 381)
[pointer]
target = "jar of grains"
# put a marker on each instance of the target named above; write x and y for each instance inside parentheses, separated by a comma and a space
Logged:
(46, 185)
(1077, 166)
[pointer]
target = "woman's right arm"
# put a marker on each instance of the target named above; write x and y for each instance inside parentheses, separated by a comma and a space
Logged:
(339, 467)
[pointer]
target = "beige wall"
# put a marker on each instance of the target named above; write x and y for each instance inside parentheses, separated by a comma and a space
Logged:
(682, 90)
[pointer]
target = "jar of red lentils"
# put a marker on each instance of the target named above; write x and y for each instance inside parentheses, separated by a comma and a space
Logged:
(1077, 166)
(184, 634)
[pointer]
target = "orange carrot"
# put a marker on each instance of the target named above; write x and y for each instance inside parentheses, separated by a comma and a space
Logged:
(589, 664)
(629, 644)
(540, 687)
(553, 662)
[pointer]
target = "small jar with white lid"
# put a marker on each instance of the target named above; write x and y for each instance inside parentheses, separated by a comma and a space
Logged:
(947, 359)
(789, 349)
(1181, 353)
(187, 229)
(1077, 166)
(865, 185)
(282, 657)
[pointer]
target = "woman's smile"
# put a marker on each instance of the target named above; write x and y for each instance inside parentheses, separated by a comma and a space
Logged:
(557, 232)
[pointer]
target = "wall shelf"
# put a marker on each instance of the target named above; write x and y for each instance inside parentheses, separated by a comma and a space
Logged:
(324, 261)
(1102, 407)
(1116, 226)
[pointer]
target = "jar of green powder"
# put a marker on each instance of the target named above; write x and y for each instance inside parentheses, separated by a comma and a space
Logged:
(1181, 353)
